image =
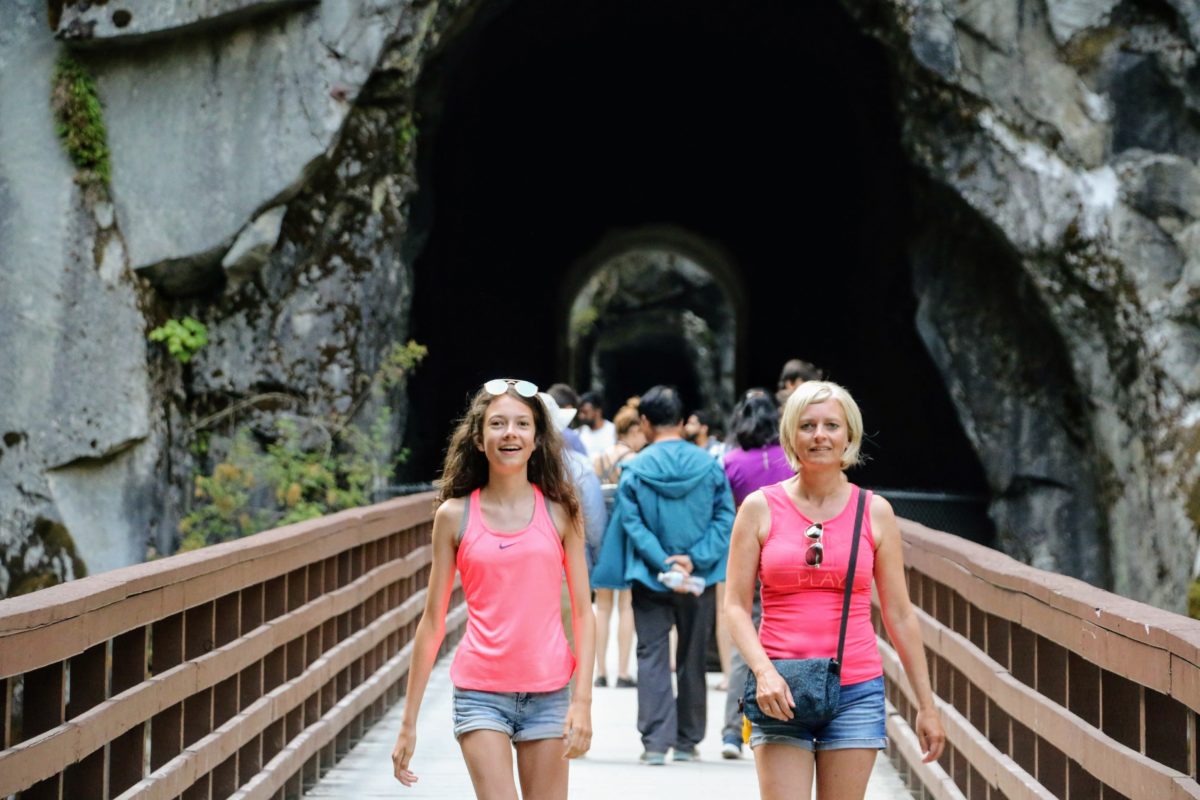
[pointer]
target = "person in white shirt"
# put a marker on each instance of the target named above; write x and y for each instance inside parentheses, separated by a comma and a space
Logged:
(597, 433)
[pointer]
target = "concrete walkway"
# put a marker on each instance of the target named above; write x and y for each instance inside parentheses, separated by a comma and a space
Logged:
(609, 770)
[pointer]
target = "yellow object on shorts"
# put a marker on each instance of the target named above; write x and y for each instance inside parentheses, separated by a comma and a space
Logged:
(745, 729)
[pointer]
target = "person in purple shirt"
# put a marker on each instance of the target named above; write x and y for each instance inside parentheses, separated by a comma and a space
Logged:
(756, 460)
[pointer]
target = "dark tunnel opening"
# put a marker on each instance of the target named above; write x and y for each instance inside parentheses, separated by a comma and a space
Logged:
(546, 126)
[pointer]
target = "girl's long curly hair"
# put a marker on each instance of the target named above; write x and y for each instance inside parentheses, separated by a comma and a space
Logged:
(466, 467)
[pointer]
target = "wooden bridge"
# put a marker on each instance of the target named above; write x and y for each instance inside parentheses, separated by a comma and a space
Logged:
(248, 669)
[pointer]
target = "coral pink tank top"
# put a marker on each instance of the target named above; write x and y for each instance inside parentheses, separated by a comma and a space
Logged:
(802, 605)
(513, 584)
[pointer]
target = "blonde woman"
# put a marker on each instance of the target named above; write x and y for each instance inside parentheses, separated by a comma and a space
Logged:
(796, 536)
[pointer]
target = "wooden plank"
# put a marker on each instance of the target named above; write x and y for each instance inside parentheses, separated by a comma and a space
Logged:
(114, 717)
(208, 753)
(1129, 618)
(25, 650)
(252, 559)
(275, 774)
(1118, 766)
(996, 767)
(933, 778)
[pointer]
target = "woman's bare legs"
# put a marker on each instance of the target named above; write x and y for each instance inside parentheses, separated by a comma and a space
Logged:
(784, 772)
(843, 774)
(489, 761)
(724, 639)
(542, 769)
(624, 631)
(604, 607)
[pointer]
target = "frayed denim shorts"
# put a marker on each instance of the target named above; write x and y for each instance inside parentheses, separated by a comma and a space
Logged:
(858, 723)
(522, 716)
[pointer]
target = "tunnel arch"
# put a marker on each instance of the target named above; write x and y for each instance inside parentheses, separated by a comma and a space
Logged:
(718, 309)
(549, 133)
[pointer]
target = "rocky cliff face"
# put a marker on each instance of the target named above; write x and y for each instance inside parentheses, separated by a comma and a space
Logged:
(1059, 140)
(261, 162)
(262, 168)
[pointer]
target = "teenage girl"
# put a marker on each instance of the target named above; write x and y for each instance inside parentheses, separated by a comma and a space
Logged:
(510, 523)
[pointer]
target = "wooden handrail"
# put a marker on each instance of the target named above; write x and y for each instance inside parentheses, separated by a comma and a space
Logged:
(1049, 686)
(246, 669)
(252, 663)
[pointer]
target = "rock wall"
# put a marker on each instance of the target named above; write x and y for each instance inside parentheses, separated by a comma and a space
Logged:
(1066, 134)
(262, 166)
(261, 161)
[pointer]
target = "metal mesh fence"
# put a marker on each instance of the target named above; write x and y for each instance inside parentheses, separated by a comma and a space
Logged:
(961, 514)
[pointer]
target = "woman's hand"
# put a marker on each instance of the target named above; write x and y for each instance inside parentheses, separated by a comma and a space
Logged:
(773, 696)
(930, 734)
(577, 730)
(406, 742)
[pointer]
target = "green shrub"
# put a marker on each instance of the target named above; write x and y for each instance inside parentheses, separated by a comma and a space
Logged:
(184, 337)
(406, 136)
(311, 468)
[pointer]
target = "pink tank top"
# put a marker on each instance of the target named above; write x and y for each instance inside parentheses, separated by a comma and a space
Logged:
(513, 584)
(802, 605)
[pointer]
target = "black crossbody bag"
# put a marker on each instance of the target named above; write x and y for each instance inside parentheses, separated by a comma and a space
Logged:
(815, 683)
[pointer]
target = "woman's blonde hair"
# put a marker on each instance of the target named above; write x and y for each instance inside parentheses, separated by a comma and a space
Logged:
(807, 394)
(627, 417)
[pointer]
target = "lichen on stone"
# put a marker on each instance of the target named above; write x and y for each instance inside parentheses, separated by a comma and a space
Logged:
(47, 558)
(79, 120)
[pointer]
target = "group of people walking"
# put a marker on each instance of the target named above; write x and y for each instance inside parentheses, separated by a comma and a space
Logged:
(770, 517)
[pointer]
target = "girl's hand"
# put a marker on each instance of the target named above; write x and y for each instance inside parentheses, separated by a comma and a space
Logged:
(930, 734)
(773, 696)
(406, 742)
(577, 730)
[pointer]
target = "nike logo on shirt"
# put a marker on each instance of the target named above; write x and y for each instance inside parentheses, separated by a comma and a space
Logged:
(510, 544)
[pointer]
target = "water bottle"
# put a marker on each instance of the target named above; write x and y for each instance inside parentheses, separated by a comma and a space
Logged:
(673, 579)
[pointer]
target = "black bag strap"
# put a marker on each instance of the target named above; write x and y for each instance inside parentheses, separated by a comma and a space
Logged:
(858, 517)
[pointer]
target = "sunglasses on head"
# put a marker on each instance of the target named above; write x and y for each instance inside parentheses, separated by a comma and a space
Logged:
(816, 551)
(498, 386)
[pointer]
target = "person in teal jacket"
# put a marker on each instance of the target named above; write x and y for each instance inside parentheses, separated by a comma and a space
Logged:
(673, 512)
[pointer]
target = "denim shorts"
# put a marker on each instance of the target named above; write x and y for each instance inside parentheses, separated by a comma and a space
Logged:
(522, 716)
(858, 723)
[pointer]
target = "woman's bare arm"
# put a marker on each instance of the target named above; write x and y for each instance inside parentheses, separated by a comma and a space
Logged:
(577, 730)
(431, 630)
(902, 625)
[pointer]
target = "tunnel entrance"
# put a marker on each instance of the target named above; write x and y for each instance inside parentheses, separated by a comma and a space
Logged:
(654, 302)
(767, 129)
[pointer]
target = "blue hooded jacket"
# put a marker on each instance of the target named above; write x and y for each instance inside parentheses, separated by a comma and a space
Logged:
(673, 498)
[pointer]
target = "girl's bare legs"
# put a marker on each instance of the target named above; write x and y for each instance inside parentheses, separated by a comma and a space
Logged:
(843, 774)
(489, 761)
(624, 631)
(542, 769)
(724, 639)
(784, 772)
(604, 607)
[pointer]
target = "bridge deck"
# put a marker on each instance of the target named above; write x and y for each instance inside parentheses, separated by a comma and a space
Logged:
(609, 770)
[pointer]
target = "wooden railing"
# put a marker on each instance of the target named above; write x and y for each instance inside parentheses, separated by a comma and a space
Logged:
(1049, 687)
(242, 670)
(247, 669)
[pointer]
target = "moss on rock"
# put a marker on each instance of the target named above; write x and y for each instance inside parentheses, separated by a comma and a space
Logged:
(79, 119)
(48, 558)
